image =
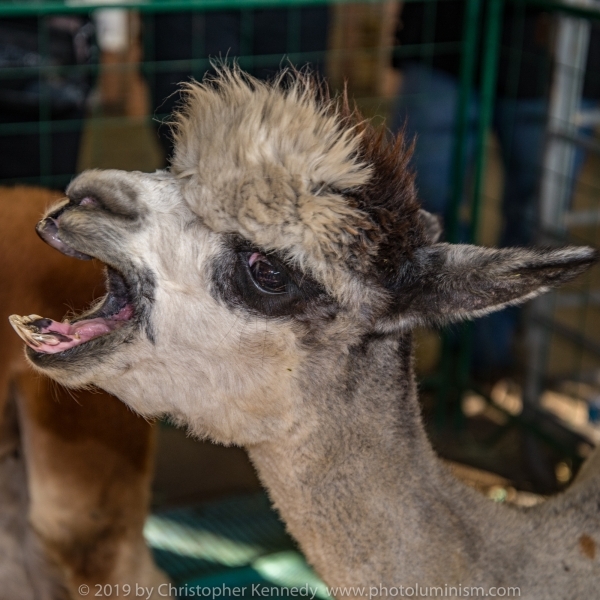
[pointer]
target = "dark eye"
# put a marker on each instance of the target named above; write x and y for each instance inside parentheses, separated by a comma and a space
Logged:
(266, 275)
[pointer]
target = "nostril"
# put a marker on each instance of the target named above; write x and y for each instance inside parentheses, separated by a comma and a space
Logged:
(47, 229)
(89, 201)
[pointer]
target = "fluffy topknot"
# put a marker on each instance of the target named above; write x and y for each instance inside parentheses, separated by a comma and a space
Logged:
(292, 170)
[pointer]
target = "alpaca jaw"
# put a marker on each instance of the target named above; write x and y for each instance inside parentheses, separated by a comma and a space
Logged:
(75, 357)
(46, 336)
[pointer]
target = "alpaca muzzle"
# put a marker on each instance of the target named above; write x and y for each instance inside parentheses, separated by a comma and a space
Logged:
(47, 229)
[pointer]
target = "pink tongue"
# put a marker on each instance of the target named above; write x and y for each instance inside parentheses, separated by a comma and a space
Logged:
(71, 335)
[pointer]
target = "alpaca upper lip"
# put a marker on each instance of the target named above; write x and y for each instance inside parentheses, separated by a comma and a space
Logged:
(47, 229)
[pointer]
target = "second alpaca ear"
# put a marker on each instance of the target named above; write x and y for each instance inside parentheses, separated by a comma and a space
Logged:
(444, 283)
(432, 224)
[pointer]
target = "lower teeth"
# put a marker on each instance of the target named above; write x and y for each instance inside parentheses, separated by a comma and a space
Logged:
(46, 338)
(30, 333)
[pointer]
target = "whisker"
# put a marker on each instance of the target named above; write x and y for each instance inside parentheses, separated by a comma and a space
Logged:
(228, 332)
(242, 332)
(264, 343)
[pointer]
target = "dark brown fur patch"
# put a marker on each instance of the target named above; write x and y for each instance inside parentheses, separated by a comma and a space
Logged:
(393, 228)
(389, 198)
(587, 546)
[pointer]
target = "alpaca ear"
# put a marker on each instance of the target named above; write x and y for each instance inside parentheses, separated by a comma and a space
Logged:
(432, 224)
(446, 282)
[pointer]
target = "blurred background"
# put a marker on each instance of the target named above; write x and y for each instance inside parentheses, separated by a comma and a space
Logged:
(503, 99)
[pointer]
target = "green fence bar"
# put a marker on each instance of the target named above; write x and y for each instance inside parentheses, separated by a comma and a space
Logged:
(34, 8)
(467, 74)
(489, 71)
(40, 7)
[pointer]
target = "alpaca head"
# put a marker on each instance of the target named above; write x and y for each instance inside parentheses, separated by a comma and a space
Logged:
(285, 231)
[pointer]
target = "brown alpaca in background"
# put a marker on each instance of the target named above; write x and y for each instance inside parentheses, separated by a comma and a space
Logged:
(75, 469)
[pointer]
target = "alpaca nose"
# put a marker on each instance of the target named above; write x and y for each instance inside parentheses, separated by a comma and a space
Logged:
(47, 229)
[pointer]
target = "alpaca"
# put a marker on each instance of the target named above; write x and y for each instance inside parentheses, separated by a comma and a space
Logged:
(262, 292)
(75, 473)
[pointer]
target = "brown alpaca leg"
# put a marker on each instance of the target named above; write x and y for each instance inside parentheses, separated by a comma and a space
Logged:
(89, 463)
(24, 572)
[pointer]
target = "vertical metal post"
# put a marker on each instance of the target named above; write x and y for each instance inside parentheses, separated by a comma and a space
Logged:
(570, 59)
(489, 75)
(447, 383)
(556, 187)
(489, 71)
(467, 75)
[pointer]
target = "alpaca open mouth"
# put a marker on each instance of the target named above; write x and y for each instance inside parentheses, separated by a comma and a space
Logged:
(46, 336)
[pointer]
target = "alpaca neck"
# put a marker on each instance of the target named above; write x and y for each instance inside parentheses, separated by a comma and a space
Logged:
(358, 483)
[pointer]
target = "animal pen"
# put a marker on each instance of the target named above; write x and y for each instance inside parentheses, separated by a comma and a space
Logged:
(88, 85)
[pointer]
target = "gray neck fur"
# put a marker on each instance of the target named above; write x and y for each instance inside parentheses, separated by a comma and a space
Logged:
(363, 492)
